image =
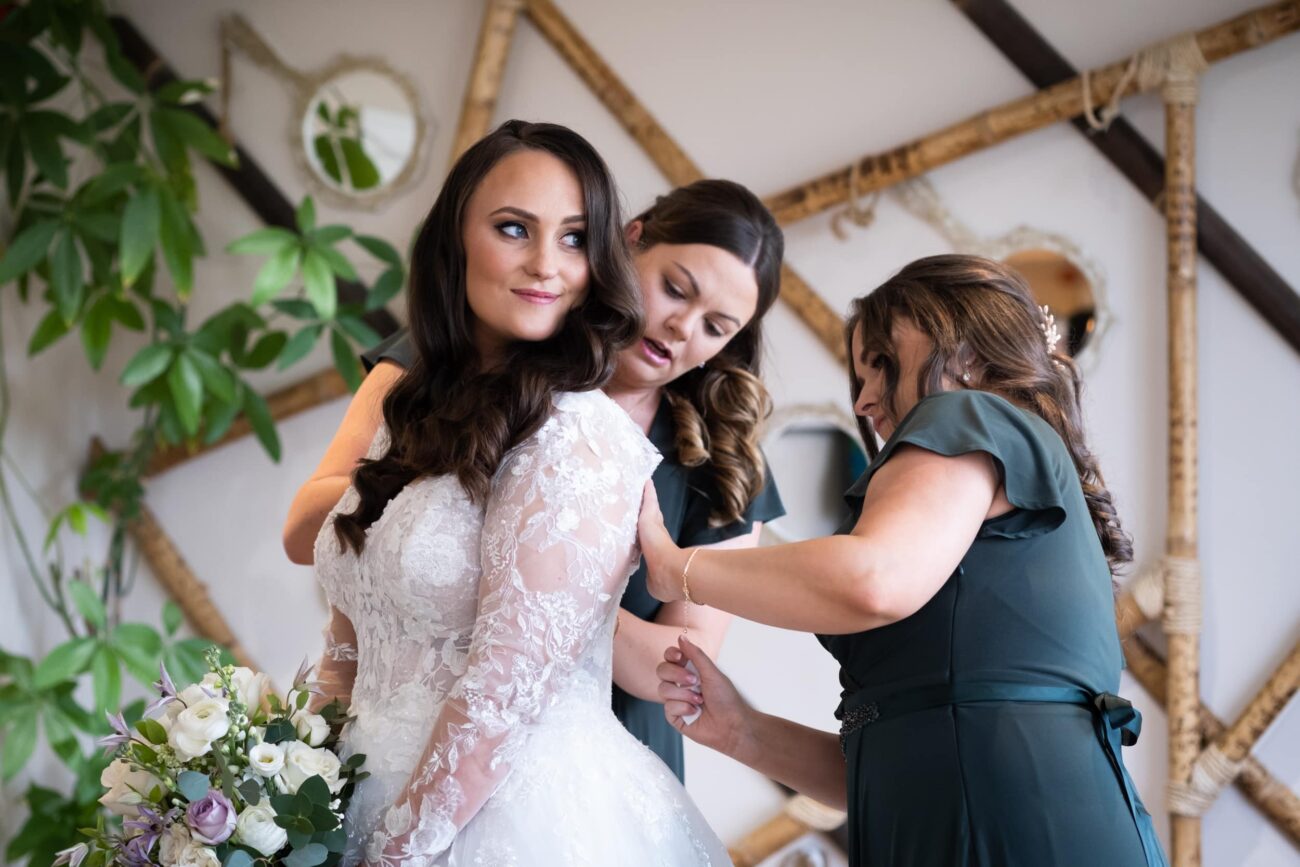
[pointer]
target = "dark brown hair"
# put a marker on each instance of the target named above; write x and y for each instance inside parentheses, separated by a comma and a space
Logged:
(718, 409)
(981, 316)
(447, 413)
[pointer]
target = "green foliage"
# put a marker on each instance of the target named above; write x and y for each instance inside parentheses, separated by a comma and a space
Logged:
(104, 201)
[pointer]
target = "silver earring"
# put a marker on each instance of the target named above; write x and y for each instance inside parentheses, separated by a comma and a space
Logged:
(701, 365)
(965, 375)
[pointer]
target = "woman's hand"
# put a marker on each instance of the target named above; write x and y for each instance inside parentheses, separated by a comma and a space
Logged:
(663, 559)
(723, 724)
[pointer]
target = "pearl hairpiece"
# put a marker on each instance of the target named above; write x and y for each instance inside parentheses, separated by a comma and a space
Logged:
(1051, 334)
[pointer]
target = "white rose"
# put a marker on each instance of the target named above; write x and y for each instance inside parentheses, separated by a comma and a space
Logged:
(266, 760)
(197, 855)
(256, 829)
(311, 727)
(127, 789)
(190, 695)
(197, 726)
(172, 843)
(250, 686)
(301, 763)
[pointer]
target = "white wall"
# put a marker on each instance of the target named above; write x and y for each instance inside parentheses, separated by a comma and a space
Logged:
(771, 93)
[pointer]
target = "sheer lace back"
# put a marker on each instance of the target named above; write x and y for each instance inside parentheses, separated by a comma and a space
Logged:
(472, 625)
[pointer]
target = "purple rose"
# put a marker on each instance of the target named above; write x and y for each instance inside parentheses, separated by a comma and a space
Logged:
(212, 818)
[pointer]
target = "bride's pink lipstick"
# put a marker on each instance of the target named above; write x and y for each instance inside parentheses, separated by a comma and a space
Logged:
(535, 296)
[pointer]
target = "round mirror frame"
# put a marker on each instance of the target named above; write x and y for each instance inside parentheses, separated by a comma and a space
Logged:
(310, 86)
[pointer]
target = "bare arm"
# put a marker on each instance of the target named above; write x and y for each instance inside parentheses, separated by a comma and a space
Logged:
(337, 670)
(639, 644)
(312, 504)
(920, 516)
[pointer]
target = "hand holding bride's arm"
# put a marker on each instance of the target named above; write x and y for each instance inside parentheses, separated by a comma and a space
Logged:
(557, 542)
(805, 759)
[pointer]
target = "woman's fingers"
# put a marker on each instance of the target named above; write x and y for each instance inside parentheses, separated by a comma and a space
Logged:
(675, 710)
(680, 694)
(675, 674)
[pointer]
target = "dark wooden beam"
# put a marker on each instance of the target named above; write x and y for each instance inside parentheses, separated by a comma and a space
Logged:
(247, 179)
(1221, 245)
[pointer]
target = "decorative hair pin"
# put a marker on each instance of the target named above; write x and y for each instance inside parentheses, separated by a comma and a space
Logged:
(1051, 334)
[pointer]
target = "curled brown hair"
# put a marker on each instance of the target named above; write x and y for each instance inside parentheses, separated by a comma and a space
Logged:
(447, 413)
(981, 316)
(717, 410)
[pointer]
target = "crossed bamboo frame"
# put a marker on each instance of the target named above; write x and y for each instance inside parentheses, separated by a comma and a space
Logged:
(1195, 733)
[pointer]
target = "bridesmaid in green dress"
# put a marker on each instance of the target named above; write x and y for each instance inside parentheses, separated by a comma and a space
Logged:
(708, 260)
(969, 602)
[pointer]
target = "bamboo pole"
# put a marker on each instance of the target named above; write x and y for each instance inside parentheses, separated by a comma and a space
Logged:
(772, 836)
(1241, 738)
(301, 396)
(1061, 102)
(1270, 796)
(1182, 589)
(668, 156)
(480, 101)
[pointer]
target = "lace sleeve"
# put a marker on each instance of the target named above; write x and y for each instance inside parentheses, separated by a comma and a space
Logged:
(337, 669)
(559, 541)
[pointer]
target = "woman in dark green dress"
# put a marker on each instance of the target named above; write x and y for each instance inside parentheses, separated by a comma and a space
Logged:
(970, 602)
(708, 257)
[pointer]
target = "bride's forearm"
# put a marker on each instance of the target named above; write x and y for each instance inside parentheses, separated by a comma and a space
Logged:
(639, 644)
(805, 759)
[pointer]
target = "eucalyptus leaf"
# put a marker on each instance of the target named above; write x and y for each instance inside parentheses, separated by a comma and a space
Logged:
(192, 785)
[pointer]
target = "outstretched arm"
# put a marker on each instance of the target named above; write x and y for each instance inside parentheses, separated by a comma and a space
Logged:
(558, 543)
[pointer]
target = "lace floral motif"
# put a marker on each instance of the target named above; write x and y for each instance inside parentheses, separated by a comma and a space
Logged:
(484, 663)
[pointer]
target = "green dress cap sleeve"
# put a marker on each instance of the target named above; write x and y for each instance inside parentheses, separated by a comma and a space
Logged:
(1035, 469)
(396, 348)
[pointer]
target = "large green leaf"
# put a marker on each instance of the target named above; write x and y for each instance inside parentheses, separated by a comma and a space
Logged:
(107, 677)
(42, 137)
(215, 377)
(27, 250)
(50, 329)
(139, 646)
(88, 603)
(300, 344)
(275, 274)
(139, 233)
(67, 276)
(68, 659)
(269, 240)
(177, 239)
(259, 416)
(380, 249)
(109, 183)
(186, 386)
(306, 215)
(330, 234)
(338, 263)
(190, 129)
(19, 742)
(220, 417)
(97, 330)
(267, 349)
(321, 291)
(346, 360)
(148, 364)
(388, 285)
(358, 330)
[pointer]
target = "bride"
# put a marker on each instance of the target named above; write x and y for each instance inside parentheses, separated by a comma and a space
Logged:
(474, 567)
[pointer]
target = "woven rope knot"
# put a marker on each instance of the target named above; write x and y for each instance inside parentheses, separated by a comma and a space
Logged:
(1174, 66)
(1182, 613)
(1210, 774)
(855, 210)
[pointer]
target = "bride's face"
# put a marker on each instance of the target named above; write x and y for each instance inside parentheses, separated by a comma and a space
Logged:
(525, 250)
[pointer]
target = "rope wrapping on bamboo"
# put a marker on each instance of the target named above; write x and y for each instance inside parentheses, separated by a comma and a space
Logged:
(1210, 774)
(1182, 591)
(860, 215)
(814, 814)
(1173, 66)
(1148, 591)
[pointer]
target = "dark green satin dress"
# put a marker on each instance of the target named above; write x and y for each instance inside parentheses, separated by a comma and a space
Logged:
(985, 729)
(686, 498)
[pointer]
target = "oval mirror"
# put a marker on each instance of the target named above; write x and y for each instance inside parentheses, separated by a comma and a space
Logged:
(1066, 290)
(815, 453)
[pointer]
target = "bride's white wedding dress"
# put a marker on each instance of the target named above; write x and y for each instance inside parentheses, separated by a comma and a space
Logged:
(483, 646)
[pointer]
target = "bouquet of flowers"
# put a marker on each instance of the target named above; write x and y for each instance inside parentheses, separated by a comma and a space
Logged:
(228, 775)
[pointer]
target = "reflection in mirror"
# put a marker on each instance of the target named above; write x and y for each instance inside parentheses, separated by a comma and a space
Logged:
(815, 454)
(1063, 286)
(359, 131)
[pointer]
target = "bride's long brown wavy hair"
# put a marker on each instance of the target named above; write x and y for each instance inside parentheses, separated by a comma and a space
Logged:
(980, 311)
(718, 410)
(447, 413)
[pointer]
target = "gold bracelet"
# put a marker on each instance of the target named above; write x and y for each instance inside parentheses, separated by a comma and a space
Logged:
(686, 588)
